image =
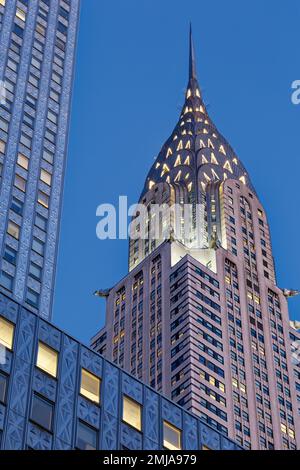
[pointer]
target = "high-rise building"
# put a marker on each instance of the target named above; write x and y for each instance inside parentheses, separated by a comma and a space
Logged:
(37, 46)
(200, 317)
(56, 394)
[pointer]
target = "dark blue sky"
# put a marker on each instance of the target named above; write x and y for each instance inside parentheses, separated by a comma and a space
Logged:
(131, 75)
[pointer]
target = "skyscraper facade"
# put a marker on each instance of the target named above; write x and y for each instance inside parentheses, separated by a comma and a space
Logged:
(37, 46)
(200, 317)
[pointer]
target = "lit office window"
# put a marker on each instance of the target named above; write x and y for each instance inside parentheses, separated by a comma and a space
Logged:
(47, 359)
(6, 333)
(45, 177)
(90, 386)
(42, 412)
(172, 436)
(86, 437)
(23, 161)
(13, 230)
(43, 199)
(132, 413)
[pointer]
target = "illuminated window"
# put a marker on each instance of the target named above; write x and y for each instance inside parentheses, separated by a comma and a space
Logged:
(178, 161)
(210, 144)
(45, 177)
(172, 436)
(291, 434)
(169, 152)
(165, 169)
(2, 2)
(6, 333)
(222, 150)
(132, 413)
(205, 448)
(227, 166)
(90, 386)
(13, 230)
(23, 161)
(43, 199)
(283, 428)
(213, 159)
(180, 146)
(47, 359)
(20, 14)
(234, 382)
(2, 144)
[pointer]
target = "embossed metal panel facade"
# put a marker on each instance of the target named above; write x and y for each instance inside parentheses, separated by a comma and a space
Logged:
(25, 381)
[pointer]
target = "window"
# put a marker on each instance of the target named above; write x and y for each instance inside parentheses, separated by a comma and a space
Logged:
(47, 359)
(3, 388)
(21, 14)
(35, 271)
(38, 246)
(17, 206)
(6, 280)
(13, 230)
(86, 437)
(43, 199)
(171, 437)
(32, 298)
(45, 177)
(132, 413)
(42, 412)
(10, 255)
(90, 386)
(6, 333)
(23, 161)
(20, 183)
(48, 156)
(41, 222)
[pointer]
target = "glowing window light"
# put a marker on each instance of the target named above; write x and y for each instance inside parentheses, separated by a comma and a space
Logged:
(227, 166)
(165, 169)
(177, 177)
(215, 175)
(187, 160)
(210, 144)
(178, 161)
(222, 150)
(169, 152)
(180, 145)
(213, 159)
